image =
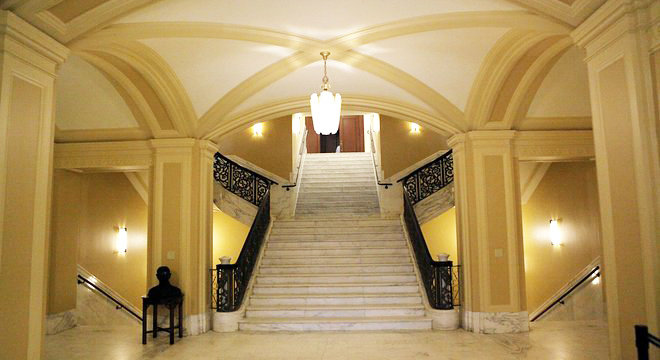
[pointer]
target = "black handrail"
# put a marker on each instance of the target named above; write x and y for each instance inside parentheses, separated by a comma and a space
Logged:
(428, 179)
(303, 143)
(373, 160)
(595, 270)
(642, 340)
(240, 180)
(232, 279)
(437, 276)
(120, 305)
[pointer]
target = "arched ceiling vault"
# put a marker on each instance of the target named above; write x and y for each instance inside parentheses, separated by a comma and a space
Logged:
(163, 105)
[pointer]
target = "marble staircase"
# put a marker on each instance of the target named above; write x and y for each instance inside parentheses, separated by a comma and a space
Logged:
(338, 265)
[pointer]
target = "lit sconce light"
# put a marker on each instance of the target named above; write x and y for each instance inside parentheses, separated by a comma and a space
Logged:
(375, 122)
(258, 129)
(555, 236)
(122, 240)
(414, 128)
(296, 119)
(596, 279)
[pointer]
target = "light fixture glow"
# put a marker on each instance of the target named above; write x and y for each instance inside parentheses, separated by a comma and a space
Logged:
(296, 119)
(555, 236)
(258, 129)
(414, 128)
(122, 240)
(596, 279)
(326, 108)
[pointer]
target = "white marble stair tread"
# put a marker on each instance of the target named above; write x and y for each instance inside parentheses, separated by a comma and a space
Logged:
(336, 288)
(310, 269)
(413, 298)
(343, 251)
(336, 324)
(334, 259)
(334, 278)
(334, 311)
(335, 223)
(338, 243)
(367, 229)
(333, 237)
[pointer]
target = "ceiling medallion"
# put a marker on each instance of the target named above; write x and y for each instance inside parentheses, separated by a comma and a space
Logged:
(326, 108)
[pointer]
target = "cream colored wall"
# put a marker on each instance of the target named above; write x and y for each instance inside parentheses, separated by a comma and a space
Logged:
(87, 211)
(272, 151)
(440, 235)
(228, 236)
(111, 201)
(64, 236)
(567, 192)
(400, 148)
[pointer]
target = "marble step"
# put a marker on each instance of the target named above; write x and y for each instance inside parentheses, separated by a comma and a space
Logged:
(352, 278)
(365, 229)
(336, 289)
(337, 198)
(319, 170)
(348, 163)
(330, 212)
(411, 298)
(362, 250)
(333, 311)
(336, 237)
(335, 223)
(335, 259)
(330, 188)
(339, 215)
(335, 324)
(338, 176)
(348, 204)
(325, 183)
(335, 269)
(336, 244)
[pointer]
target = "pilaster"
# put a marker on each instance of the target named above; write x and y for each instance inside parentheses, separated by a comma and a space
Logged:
(180, 222)
(28, 65)
(621, 39)
(489, 232)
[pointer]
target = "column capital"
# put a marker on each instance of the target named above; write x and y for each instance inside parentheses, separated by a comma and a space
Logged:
(26, 42)
(614, 19)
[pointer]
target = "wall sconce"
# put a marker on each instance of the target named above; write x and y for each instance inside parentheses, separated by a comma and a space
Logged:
(258, 129)
(555, 235)
(296, 119)
(375, 122)
(122, 240)
(414, 128)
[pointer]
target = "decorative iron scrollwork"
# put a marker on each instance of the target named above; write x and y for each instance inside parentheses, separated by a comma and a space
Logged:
(243, 182)
(430, 178)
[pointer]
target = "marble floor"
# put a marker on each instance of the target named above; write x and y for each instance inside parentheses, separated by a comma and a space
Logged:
(547, 340)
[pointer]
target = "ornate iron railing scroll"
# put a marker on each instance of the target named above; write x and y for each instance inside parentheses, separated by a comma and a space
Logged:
(241, 181)
(441, 279)
(232, 279)
(429, 178)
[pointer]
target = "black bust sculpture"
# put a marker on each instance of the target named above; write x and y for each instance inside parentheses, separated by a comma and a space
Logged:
(164, 292)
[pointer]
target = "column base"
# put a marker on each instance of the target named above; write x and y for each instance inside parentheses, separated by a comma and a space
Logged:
(226, 321)
(445, 319)
(56, 323)
(196, 324)
(496, 322)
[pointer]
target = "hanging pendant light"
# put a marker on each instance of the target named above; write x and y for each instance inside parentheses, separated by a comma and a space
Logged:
(326, 108)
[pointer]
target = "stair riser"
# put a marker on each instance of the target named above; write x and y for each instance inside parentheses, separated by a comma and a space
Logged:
(343, 212)
(339, 326)
(349, 279)
(332, 313)
(337, 244)
(338, 230)
(319, 172)
(385, 300)
(352, 205)
(335, 237)
(336, 270)
(335, 187)
(334, 224)
(321, 252)
(334, 290)
(334, 260)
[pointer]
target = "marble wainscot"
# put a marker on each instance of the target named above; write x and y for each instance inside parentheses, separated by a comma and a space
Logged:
(56, 323)
(496, 322)
(444, 319)
(233, 205)
(436, 204)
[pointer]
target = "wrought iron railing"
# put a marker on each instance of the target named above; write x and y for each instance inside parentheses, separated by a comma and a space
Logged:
(430, 178)
(229, 281)
(441, 279)
(642, 341)
(241, 181)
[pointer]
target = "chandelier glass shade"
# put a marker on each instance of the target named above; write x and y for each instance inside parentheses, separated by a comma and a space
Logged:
(326, 108)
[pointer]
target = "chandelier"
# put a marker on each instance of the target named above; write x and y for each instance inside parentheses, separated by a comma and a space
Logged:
(325, 107)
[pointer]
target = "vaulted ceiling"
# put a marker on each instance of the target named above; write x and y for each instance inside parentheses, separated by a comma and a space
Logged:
(174, 68)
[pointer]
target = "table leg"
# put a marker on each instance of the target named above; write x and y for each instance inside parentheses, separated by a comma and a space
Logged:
(181, 319)
(144, 321)
(171, 325)
(155, 320)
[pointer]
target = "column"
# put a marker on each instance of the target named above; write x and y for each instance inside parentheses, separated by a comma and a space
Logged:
(489, 231)
(180, 223)
(28, 65)
(622, 40)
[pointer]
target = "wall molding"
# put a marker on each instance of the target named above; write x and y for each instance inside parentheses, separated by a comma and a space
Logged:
(99, 156)
(554, 145)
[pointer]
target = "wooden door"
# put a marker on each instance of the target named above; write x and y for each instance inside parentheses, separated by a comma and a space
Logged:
(313, 139)
(351, 133)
